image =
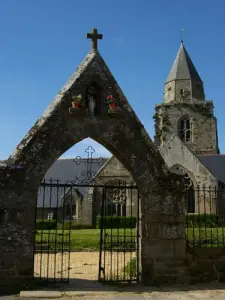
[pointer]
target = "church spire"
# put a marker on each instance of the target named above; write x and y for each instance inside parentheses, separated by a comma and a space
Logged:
(184, 74)
(183, 67)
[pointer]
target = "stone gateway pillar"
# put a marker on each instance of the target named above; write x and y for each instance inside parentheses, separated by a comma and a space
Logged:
(163, 237)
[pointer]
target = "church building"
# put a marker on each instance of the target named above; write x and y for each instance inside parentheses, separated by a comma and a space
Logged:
(185, 134)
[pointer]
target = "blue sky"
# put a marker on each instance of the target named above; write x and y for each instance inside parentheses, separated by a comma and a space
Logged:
(43, 42)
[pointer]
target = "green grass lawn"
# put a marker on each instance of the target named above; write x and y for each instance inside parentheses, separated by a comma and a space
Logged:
(89, 239)
(86, 239)
(209, 237)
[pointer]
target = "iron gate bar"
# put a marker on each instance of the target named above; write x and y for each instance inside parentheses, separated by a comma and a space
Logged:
(57, 202)
(56, 255)
(49, 234)
(138, 235)
(101, 239)
(42, 235)
(115, 241)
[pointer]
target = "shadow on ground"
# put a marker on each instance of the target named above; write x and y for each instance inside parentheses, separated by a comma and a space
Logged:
(95, 286)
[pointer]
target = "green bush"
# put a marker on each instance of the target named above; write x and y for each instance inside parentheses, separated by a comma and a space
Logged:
(131, 268)
(71, 225)
(116, 222)
(203, 220)
(46, 224)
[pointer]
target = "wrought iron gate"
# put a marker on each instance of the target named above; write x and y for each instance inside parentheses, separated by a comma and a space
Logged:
(119, 241)
(52, 233)
(114, 213)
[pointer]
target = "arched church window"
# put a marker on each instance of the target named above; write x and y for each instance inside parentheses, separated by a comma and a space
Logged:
(184, 129)
(70, 209)
(111, 209)
(74, 209)
(189, 188)
(124, 210)
(116, 198)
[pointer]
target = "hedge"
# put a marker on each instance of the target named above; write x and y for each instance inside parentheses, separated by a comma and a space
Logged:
(204, 220)
(46, 224)
(67, 225)
(116, 222)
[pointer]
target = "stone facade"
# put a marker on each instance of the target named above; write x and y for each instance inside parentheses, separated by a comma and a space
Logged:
(162, 207)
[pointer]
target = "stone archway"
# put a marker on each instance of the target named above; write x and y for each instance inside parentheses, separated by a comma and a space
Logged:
(121, 132)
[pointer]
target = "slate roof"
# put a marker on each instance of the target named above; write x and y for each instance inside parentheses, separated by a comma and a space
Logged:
(183, 67)
(215, 164)
(65, 170)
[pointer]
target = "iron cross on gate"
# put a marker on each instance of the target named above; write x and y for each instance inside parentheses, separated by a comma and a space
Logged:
(94, 36)
(88, 174)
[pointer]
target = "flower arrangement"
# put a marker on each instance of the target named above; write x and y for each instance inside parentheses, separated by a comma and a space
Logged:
(112, 105)
(76, 101)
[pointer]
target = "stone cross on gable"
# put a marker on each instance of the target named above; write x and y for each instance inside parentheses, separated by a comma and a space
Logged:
(94, 36)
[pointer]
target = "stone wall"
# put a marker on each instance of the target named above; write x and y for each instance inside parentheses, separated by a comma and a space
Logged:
(201, 265)
(205, 264)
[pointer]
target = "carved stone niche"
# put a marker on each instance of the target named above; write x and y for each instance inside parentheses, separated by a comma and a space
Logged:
(93, 99)
(87, 102)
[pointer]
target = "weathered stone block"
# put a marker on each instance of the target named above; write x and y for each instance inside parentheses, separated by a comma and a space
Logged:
(180, 248)
(158, 248)
(165, 230)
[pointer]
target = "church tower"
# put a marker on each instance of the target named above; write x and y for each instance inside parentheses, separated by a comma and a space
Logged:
(184, 111)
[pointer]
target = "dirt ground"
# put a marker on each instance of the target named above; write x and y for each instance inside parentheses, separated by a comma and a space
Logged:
(83, 265)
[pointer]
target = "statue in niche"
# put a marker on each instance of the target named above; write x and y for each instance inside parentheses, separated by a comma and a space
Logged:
(93, 100)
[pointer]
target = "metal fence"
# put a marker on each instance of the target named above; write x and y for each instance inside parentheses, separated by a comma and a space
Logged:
(205, 217)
